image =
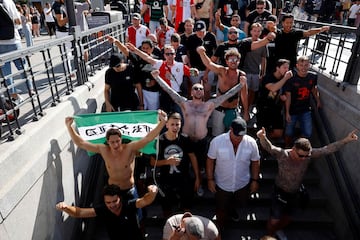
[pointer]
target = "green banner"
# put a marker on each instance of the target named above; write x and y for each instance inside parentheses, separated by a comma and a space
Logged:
(133, 126)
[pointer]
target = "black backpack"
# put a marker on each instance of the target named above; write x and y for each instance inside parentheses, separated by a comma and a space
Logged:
(6, 24)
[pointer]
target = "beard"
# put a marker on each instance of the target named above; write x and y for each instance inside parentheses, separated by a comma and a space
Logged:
(198, 98)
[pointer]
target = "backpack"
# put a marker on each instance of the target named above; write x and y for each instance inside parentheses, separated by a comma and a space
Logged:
(6, 24)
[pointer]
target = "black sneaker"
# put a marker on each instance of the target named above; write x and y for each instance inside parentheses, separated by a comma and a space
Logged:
(234, 216)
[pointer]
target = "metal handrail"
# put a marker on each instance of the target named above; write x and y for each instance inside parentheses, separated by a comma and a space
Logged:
(52, 77)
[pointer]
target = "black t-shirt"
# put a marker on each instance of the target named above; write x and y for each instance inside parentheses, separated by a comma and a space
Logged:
(184, 39)
(255, 17)
(180, 146)
(252, 5)
(209, 43)
(60, 8)
(267, 98)
(300, 89)
(286, 45)
(142, 73)
(122, 89)
(243, 46)
(228, 7)
(125, 226)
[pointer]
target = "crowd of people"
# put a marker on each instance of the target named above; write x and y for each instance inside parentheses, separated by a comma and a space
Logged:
(212, 80)
(212, 77)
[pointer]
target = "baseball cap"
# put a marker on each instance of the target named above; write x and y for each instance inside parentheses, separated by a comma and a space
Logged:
(115, 59)
(136, 16)
(200, 26)
(238, 126)
(194, 226)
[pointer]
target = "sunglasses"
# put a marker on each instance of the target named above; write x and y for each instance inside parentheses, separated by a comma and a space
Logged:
(233, 60)
(233, 32)
(302, 156)
(169, 54)
(198, 88)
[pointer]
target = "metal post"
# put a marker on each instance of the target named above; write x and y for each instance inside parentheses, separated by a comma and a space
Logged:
(352, 73)
(70, 8)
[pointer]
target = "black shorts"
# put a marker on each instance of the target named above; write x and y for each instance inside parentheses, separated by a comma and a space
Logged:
(283, 203)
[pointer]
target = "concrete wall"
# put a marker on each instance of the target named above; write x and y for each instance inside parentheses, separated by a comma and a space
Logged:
(41, 167)
(342, 111)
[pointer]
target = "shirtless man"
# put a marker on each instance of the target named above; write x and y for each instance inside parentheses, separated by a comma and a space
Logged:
(196, 113)
(292, 166)
(119, 158)
(228, 77)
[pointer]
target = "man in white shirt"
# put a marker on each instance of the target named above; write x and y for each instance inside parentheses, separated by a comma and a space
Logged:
(49, 19)
(236, 172)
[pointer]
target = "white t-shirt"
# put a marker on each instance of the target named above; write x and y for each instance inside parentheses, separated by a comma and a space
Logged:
(355, 8)
(232, 172)
(210, 230)
(14, 14)
(48, 17)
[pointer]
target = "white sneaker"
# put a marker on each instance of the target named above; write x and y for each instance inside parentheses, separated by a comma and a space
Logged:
(281, 235)
(200, 191)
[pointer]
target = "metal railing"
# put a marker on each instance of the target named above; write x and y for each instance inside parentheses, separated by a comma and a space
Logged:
(49, 71)
(330, 52)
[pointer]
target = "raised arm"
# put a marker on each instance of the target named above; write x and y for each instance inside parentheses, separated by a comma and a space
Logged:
(220, 99)
(207, 61)
(141, 54)
(278, 85)
(265, 142)
(120, 45)
(262, 42)
(218, 22)
(335, 146)
(81, 143)
(169, 90)
(314, 31)
(148, 198)
(136, 145)
(76, 212)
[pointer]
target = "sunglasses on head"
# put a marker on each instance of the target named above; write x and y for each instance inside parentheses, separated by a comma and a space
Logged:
(198, 88)
(169, 53)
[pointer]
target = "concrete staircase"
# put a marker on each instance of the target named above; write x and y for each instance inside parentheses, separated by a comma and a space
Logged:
(314, 222)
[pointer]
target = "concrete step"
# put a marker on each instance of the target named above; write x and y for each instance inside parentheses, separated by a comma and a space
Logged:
(255, 234)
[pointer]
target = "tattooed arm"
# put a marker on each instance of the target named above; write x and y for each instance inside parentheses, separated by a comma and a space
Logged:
(169, 90)
(220, 99)
(335, 146)
(266, 144)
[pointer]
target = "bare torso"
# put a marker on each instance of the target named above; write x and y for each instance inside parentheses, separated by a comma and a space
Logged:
(196, 115)
(226, 81)
(120, 166)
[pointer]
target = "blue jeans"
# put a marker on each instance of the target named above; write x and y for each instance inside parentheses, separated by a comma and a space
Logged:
(6, 68)
(305, 121)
